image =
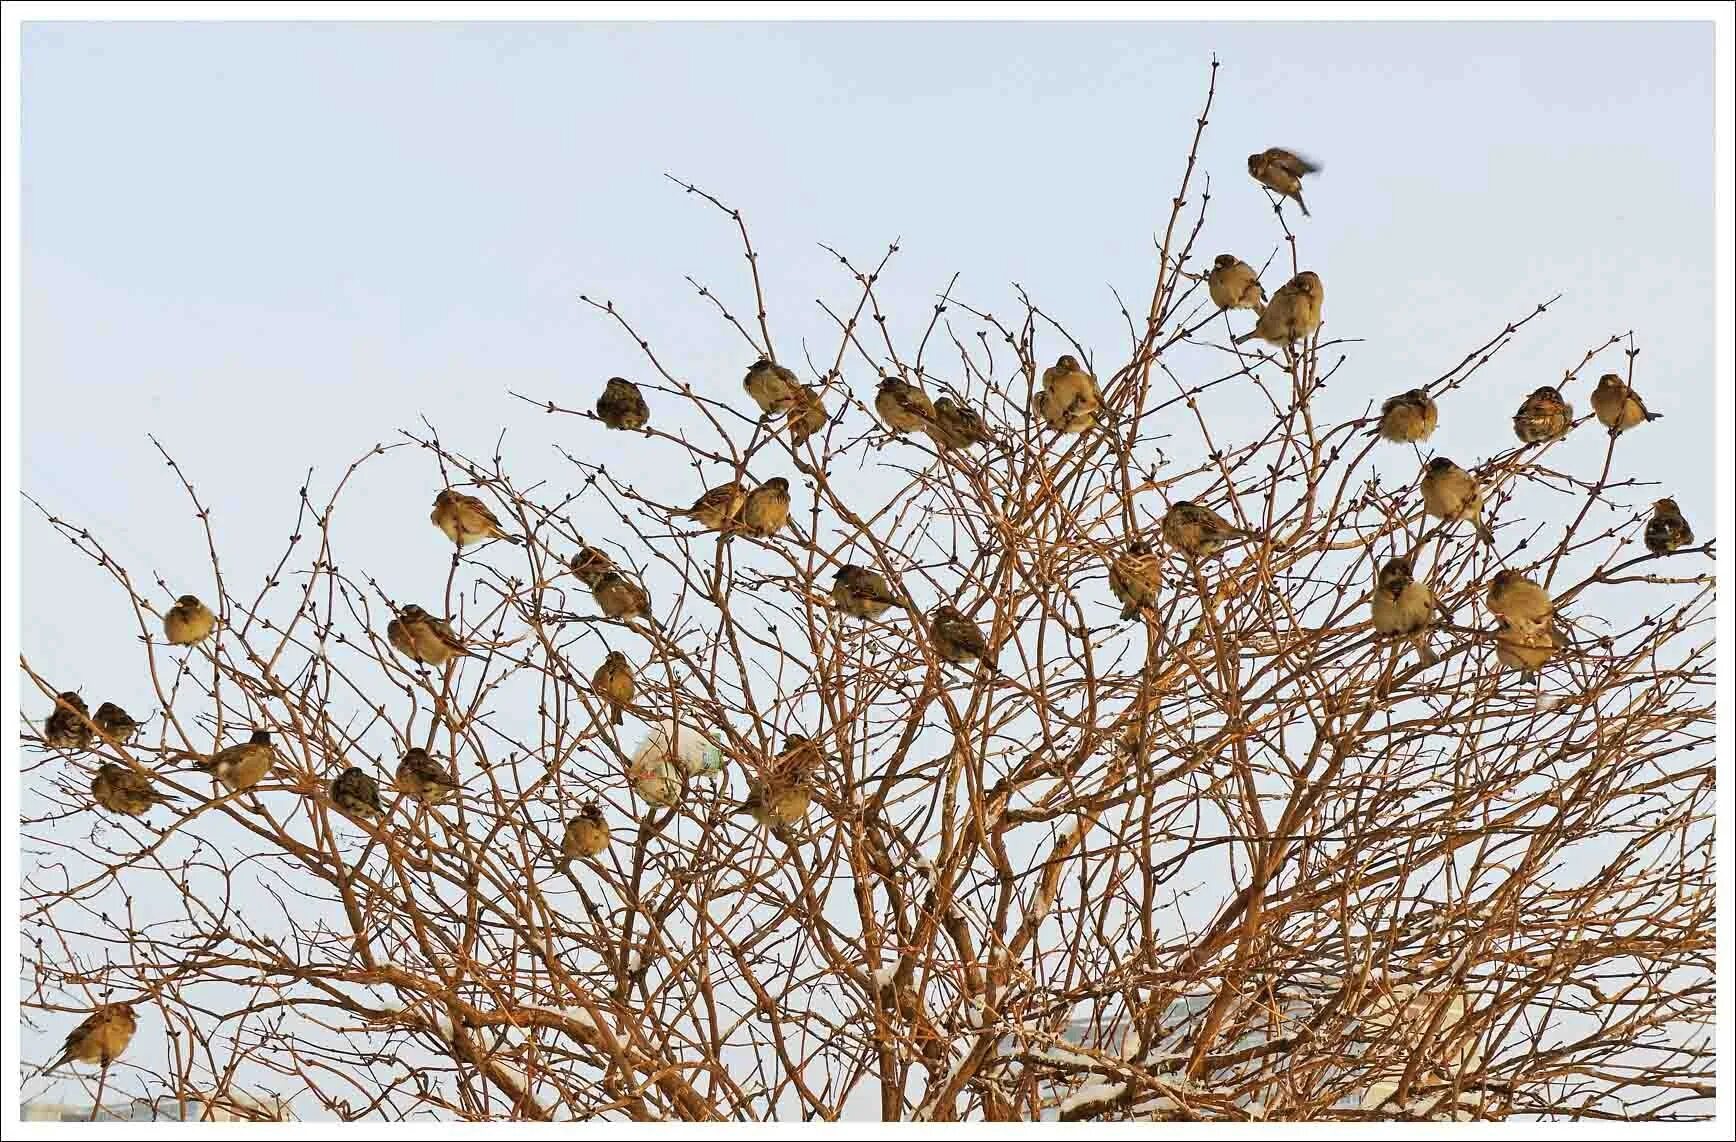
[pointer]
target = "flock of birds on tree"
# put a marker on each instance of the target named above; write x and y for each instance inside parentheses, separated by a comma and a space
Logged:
(1528, 635)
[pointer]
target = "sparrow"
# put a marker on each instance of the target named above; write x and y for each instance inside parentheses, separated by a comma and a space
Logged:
(68, 726)
(619, 597)
(957, 425)
(863, 593)
(1543, 415)
(421, 637)
(1134, 577)
(1233, 284)
(1282, 171)
(1452, 493)
(614, 681)
(1524, 646)
(1617, 406)
(767, 508)
(188, 621)
(122, 790)
(801, 754)
(241, 766)
(1199, 531)
(807, 416)
(1403, 606)
(771, 386)
(587, 833)
(622, 406)
(719, 507)
(423, 778)
(1070, 399)
(115, 723)
(357, 794)
(903, 406)
(1666, 531)
(781, 796)
(101, 1038)
(590, 565)
(1513, 596)
(1408, 418)
(1293, 313)
(466, 519)
(957, 639)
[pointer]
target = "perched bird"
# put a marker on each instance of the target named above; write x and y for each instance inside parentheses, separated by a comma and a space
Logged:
(1199, 531)
(1524, 646)
(1617, 406)
(241, 766)
(957, 425)
(423, 778)
(590, 565)
(903, 406)
(957, 639)
(771, 386)
(782, 793)
(1513, 596)
(68, 726)
(801, 754)
(466, 519)
(1408, 418)
(1452, 493)
(767, 508)
(1543, 415)
(620, 598)
(1134, 577)
(614, 682)
(1403, 606)
(807, 416)
(622, 405)
(357, 794)
(587, 833)
(1293, 313)
(115, 723)
(1667, 530)
(1233, 284)
(101, 1038)
(719, 507)
(1282, 171)
(863, 593)
(126, 791)
(1070, 399)
(188, 621)
(421, 637)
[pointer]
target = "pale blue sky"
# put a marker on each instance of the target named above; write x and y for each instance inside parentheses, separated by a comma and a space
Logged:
(274, 245)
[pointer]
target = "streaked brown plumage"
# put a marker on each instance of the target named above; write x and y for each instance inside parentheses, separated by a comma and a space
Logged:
(1452, 494)
(863, 593)
(1234, 284)
(957, 425)
(781, 794)
(807, 416)
(67, 727)
(1404, 607)
(101, 1038)
(1618, 407)
(613, 681)
(357, 794)
(590, 565)
(767, 508)
(188, 621)
(1668, 529)
(1070, 400)
(1199, 531)
(241, 766)
(903, 407)
(126, 791)
(1524, 646)
(622, 406)
(1134, 577)
(587, 834)
(719, 507)
(1282, 171)
(1409, 418)
(620, 598)
(115, 723)
(1513, 596)
(423, 778)
(421, 637)
(772, 387)
(957, 638)
(466, 520)
(1293, 313)
(1544, 415)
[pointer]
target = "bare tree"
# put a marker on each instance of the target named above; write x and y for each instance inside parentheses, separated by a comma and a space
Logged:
(1237, 856)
